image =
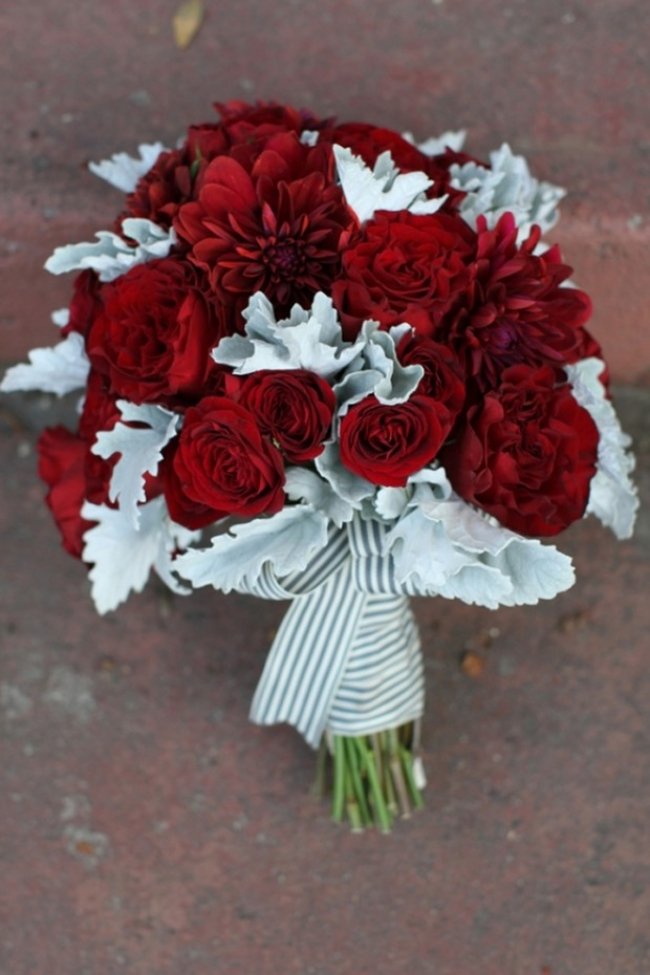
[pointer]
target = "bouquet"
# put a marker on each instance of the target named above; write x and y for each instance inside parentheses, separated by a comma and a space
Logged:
(322, 363)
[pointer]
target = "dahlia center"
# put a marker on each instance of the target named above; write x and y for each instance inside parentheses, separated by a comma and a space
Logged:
(285, 258)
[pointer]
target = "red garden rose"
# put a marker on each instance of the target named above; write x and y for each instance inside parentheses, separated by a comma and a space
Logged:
(276, 228)
(526, 453)
(385, 444)
(222, 465)
(517, 311)
(85, 303)
(154, 333)
(293, 407)
(405, 268)
(443, 375)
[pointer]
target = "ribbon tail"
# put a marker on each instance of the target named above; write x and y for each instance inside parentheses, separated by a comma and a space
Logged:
(308, 657)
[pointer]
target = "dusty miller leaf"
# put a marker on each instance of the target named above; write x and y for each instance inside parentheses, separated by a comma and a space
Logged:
(286, 542)
(60, 369)
(123, 171)
(613, 496)
(112, 256)
(140, 450)
(123, 556)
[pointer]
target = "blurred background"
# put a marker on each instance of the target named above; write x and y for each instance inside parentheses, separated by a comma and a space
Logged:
(145, 826)
(563, 81)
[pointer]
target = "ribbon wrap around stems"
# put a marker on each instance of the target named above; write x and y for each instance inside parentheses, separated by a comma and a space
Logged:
(346, 657)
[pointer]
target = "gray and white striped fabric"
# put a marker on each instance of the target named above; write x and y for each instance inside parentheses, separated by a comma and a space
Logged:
(347, 657)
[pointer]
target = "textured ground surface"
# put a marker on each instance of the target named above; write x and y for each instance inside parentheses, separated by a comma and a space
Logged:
(145, 826)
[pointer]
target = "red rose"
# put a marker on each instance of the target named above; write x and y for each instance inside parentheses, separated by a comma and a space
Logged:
(526, 453)
(277, 228)
(61, 464)
(443, 375)
(293, 407)
(154, 334)
(385, 444)
(405, 268)
(517, 310)
(85, 303)
(222, 465)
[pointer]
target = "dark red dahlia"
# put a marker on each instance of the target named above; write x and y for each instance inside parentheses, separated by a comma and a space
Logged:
(242, 133)
(277, 229)
(517, 310)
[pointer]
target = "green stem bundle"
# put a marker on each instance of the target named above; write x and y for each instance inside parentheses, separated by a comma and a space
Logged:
(374, 778)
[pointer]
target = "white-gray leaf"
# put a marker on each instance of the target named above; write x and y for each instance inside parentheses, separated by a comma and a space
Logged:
(122, 556)
(347, 485)
(613, 496)
(507, 187)
(140, 449)
(309, 339)
(123, 171)
(381, 188)
(286, 541)
(304, 485)
(58, 369)
(111, 255)
(436, 145)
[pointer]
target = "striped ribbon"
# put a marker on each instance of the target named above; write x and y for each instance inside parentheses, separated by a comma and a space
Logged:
(347, 655)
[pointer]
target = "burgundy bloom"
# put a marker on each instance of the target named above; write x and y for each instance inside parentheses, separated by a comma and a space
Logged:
(278, 228)
(85, 303)
(154, 333)
(293, 407)
(159, 193)
(369, 141)
(405, 268)
(526, 453)
(222, 465)
(443, 375)
(61, 464)
(517, 310)
(385, 444)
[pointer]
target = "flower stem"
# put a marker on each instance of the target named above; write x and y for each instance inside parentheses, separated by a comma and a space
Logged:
(373, 777)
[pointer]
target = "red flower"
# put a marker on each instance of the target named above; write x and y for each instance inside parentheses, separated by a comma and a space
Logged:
(85, 303)
(526, 453)
(221, 465)
(517, 311)
(61, 464)
(276, 229)
(159, 193)
(369, 141)
(293, 407)
(385, 444)
(154, 334)
(242, 132)
(443, 375)
(405, 268)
